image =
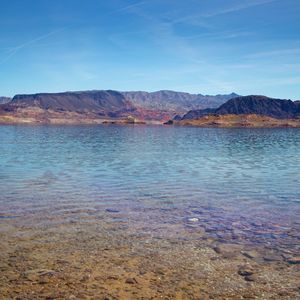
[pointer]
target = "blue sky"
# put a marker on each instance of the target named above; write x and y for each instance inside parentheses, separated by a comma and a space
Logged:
(198, 46)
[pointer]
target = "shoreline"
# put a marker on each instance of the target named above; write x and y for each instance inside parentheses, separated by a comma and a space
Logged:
(210, 121)
(237, 121)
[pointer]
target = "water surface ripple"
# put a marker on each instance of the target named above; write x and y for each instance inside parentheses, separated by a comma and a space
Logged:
(237, 176)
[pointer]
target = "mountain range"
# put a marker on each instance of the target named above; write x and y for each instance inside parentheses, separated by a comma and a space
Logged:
(177, 102)
(103, 103)
(90, 107)
(157, 106)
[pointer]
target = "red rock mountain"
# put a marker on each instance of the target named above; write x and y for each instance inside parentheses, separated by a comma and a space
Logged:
(160, 106)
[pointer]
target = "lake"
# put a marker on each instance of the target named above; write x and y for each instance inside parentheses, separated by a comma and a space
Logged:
(138, 203)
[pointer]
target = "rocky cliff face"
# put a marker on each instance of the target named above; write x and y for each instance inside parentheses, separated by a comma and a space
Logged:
(172, 101)
(157, 106)
(258, 105)
(4, 100)
(100, 102)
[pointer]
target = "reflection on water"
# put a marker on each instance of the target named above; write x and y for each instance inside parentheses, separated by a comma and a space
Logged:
(239, 187)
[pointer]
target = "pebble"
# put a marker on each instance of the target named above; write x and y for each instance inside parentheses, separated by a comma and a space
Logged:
(251, 254)
(35, 274)
(131, 281)
(193, 220)
(272, 257)
(294, 260)
(113, 277)
(245, 271)
(255, 278)
(111, 210)
(228, 250)
(250, 278)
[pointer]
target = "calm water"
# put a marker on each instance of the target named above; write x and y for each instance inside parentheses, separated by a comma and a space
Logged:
(182, 210)
(251, 172)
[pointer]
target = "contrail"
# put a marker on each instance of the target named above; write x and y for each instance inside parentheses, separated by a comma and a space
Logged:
(129, 7)
(16, 49)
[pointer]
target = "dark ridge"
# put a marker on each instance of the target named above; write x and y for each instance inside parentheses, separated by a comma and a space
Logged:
(160, 105)
(260, 105)
(177, 118)
(195, 114)
(94, 101)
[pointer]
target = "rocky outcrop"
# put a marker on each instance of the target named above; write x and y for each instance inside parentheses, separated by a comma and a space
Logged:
(258, 105)
(177, 102)
(4, 100)
(103, 103)
(194, 114)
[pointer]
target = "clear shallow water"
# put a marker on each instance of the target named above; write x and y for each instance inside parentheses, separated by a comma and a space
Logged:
(182, 210)
(249, 172)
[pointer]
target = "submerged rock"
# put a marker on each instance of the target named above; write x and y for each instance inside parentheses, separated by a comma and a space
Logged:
(131, 281)
(245, 271)
(193, 220)
(252, 254)
(112, 210)
(250, 278)
(294, 260)
(272, 257)
(228, 250)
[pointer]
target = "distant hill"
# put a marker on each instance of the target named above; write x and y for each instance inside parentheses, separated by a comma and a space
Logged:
(104, 103)
(4, 100)
(156, 106)
(258, 105)
(172, 101)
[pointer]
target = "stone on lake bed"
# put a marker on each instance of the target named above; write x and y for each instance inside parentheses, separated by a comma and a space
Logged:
(250, 278)
(228, 250)
(294, 260)
(193, 220)
(272, 257)
(245, 271)
(112, 210)
(131, 281)
(252, 254)
(112, 277)
(198, 212)
(255, 278)
(36, 274)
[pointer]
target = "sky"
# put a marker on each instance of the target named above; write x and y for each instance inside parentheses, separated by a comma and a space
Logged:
(197, 46)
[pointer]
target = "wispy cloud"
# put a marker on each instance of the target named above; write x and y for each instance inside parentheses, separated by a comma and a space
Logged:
(14, 50)
(129, 7)
(236, 8)
(263, 54)
(221, 35)
(200, 17)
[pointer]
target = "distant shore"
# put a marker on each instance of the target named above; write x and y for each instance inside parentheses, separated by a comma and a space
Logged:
(228, 121)
(214, 121)
(40, 117)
